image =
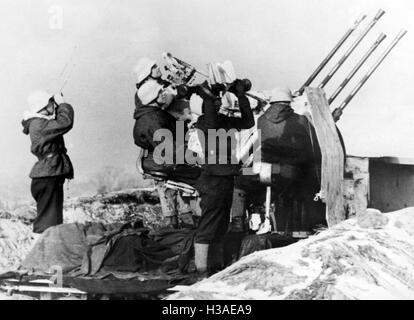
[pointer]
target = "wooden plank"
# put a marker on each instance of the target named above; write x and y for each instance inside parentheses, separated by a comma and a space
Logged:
(332, 156)
(24, 288)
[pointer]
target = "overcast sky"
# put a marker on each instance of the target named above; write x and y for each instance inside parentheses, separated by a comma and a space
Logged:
(274, 43)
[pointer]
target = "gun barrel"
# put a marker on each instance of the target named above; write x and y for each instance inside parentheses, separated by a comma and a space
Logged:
(251, 95)
(372, 70)
(351, 49)
(357, 67)
(332, 53)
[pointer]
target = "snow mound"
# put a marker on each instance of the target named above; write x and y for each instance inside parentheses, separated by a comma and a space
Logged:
(371, 257)
(123, 207)
(16, 240)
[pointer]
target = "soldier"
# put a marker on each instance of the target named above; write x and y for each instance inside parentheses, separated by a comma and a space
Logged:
(157, 108)
(48, 119)
(289, 141)
(216, 181)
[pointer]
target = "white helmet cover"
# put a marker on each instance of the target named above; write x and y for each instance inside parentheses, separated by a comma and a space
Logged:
(149, 91)
(143, 68)
(280, 94)
(38, 100)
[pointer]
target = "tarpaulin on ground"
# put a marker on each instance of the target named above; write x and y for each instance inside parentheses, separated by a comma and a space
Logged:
(133, 250)
(96, 249)
(180, 242)
(63, 246)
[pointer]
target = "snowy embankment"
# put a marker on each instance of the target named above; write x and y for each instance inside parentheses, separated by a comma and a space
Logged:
(371, 257)
(17, 239)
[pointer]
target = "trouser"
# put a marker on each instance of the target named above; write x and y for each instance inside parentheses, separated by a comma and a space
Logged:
(249, 188)
(239, 207)
(315, 214)
(48, 193)
(216, 199)
(298, 214)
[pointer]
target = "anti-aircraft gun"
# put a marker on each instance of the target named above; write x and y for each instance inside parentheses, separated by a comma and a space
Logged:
(315, 105)
(318, 107)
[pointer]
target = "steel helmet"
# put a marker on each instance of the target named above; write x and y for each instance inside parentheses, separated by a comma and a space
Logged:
(280, 94)
(143, 68)
(149, 91)
(38, 100)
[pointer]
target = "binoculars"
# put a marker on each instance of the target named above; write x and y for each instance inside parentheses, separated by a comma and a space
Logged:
(185, 91)
(248, 84)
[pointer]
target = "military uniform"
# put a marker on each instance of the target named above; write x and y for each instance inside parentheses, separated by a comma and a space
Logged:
(53, 165)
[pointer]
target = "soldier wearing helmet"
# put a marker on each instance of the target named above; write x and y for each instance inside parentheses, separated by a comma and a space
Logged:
(46, 121)
(157, 108)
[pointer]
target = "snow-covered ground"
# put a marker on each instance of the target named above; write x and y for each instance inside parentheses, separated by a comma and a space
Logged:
(371, 257)
(16, 240)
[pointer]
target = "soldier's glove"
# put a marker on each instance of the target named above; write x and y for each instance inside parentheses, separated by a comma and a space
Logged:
(240, 87)
(58, 98)
(217, 88)
(336, 114)
(204, 91)
(183, 91)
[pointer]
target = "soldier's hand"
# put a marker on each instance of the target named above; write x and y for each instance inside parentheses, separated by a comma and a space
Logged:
(58, 98)
(182, 91)
(240, 87)
(204, 91)
(217, 88)
(336, 114)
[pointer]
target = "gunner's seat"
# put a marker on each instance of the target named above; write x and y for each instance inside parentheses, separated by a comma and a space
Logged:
(186, 189)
